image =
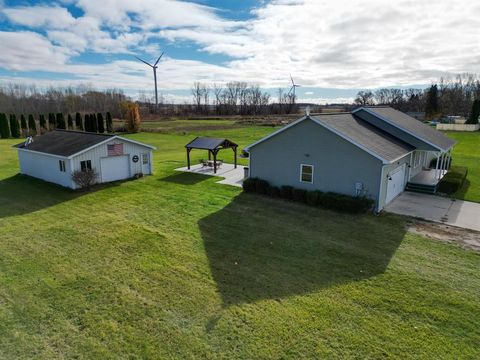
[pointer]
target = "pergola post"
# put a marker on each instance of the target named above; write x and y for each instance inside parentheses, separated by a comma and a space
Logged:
(235, 156)
(188, 157)
(209, 155)
(214, 161)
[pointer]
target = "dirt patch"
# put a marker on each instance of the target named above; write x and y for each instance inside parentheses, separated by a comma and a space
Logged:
(468, 239)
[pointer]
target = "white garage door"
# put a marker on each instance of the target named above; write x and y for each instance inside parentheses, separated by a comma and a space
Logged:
(115, 168)
(395, 183)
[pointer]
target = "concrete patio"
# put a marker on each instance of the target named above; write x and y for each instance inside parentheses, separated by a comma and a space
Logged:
(232, 176)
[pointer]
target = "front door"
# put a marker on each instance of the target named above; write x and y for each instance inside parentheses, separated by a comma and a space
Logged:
(145, 164)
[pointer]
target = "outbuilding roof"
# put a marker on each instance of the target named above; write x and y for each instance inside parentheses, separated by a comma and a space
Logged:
(67, 143)
(209, 143)
(411, 126)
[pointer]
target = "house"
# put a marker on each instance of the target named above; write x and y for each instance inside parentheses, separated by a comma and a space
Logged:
(55, 156)
(376, 152)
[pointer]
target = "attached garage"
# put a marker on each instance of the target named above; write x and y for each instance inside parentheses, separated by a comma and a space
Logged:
(114, 168)
(395, 183)
(55, 156)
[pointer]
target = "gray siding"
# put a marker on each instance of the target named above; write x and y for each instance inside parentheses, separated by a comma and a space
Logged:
(338, 164)
(400, 134)
(45, 167)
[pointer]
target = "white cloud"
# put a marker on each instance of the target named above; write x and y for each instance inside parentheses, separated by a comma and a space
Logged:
(54, 17)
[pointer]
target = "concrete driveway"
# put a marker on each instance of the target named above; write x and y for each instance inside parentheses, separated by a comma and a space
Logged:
(459, 213)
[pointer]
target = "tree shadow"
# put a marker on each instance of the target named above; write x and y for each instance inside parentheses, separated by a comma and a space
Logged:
(260, 248)
(185, 178)
(22, 194)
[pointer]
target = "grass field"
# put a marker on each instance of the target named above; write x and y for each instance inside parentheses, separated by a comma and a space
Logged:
(467, 153)
(176, 266)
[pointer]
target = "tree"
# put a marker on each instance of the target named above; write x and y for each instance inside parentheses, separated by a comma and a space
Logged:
(70, 121)
(4, 129)
(42, 122)
(87, 126)
(474, 113)
(61, 121)
(84, 179)
(14, 126)
(32, 127)
(109, 122)
(100, 123)
(51, 121)
(94, 123)
(23, 125)
(78, 121)
(431, 104)
(364, 97)
(131, 115)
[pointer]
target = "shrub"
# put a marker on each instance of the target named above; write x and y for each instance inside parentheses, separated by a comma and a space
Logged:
(51, 121)
(41, 120)
(14, 126)
(474, 113)
(274, 191)
(23, 124)
(4, 129)
(93, 123)
(286, 192)
(312, 197)
(84, 179)
(453, 180)
(299, 195)
(131, 113)
(32, 127)
(262, 186)
(100, 123)
(60, 121)
(78, 121)
(249, 185)
(109, 122)
(88, 126)
(70, 121)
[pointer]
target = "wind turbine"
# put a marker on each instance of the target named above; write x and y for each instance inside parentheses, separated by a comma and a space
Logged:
(292, 89)
(154, 67)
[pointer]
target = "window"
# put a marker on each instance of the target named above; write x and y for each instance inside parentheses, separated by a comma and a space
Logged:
(144, 159)
(86, 165)
(306, 173)
(61, 163)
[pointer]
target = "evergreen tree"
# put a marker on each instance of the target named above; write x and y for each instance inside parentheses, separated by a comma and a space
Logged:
(43, 123)
(61, 121)
(109, 122)
(87, 122)
(14, 126)
(51, 121)
(431, 103)
(70, 122)
(32, 127)
(23, 124)
(93, 121)
(100, 123)
(4, 129)
(78, 121)
(474, 113)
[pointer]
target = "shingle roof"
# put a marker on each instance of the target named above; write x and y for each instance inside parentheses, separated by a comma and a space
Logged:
(209, 143)
(64, 142)
(413, 126)
(365, 135)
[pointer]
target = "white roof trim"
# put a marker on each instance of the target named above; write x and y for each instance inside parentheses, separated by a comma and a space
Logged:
(275, 133)
(107, 140)
(318, 122)
(399, 127)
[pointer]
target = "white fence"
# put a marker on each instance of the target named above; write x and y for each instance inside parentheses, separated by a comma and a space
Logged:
(459, 127)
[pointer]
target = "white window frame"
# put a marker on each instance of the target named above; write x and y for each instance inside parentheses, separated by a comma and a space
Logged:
(301, 173)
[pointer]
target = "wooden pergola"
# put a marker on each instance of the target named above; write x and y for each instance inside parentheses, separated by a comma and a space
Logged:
(213, 146)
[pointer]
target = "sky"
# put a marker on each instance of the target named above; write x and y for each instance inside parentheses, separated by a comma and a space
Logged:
(332, 48)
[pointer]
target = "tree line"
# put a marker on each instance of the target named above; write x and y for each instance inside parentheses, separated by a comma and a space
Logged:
(450, 96)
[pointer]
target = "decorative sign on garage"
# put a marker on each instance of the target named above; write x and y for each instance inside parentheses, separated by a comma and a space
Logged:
(135, 158)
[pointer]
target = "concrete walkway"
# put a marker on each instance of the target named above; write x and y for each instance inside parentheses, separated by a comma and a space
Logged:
(464, 214)
(232, 176)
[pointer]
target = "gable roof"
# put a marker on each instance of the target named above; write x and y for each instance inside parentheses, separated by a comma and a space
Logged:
(209, 143)
(68, 143)
(410, 126)
(358, 132)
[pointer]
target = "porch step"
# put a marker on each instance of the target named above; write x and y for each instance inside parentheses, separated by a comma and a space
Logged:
(421, 188)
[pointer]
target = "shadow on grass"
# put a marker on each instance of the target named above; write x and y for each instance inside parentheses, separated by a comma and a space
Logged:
(260, 248)
(185, 178)
(22, 194)
(460, 194)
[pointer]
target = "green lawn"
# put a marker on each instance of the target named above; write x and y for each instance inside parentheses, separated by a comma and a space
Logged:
(467, 153)
(176, 266)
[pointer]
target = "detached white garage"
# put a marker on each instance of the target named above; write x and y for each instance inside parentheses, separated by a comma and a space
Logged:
(55, 156)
